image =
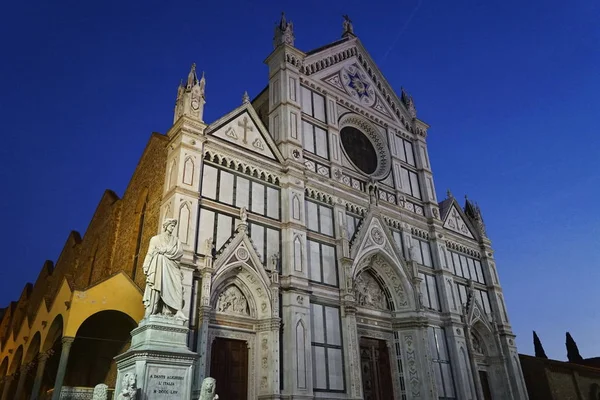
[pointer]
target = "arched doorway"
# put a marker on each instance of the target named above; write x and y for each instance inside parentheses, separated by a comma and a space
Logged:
(382, 293)
(30, 364)
(487, 360)
(99, 339)
(244, 359)
(52, 347)
(14, 371)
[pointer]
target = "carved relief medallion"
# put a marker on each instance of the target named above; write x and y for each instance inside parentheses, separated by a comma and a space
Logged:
(377, 236)
(242, 254)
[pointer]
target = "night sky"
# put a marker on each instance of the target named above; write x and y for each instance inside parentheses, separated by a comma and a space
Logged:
(510, 89)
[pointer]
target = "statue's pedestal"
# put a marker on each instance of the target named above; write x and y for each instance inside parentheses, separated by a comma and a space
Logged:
(160, 359)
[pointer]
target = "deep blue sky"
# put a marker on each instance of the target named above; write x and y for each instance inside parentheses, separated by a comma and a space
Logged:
(510, 89)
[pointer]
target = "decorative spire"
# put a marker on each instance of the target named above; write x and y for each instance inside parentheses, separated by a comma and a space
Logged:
(409, 103)
(572, 350)
(192, 79)
(537, 345)
(191, 96)
(449, 194)
(348, 28)
(284, 32)
(474, 213)
(245, 98)
(202, 84)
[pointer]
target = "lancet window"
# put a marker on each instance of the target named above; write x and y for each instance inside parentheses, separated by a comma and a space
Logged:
(234, 189)
(328, 359)
(467, 267)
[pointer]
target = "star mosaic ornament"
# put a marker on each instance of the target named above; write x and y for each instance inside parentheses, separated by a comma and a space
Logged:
(358, 86)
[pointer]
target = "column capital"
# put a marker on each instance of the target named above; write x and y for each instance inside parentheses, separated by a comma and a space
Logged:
(67, 340)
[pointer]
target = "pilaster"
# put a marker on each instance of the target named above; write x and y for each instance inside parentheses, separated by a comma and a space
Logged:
(204, 313)
(181, 195)
(351, 350)
(297, 351)
(461, 364)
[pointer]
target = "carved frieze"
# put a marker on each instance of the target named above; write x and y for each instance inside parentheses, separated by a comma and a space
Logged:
(369, 293)
(232, 301)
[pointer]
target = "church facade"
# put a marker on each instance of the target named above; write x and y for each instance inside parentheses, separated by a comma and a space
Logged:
(318, 262)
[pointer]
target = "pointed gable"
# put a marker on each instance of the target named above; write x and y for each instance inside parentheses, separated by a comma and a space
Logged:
(347, 67)
(373, 240)
(240, 248)
(455, 219)
(243, 128)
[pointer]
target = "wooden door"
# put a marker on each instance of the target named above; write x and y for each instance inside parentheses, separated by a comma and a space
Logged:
(376, 370)
(229, 366)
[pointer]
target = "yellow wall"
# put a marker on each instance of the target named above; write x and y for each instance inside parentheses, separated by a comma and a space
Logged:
(116, 293)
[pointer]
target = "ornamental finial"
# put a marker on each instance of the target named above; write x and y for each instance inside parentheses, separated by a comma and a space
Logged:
(348, 28)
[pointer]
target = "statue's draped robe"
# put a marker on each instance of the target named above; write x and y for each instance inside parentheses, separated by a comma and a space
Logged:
(163, 275)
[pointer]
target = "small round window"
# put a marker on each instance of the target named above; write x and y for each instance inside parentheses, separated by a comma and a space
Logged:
(359, 149)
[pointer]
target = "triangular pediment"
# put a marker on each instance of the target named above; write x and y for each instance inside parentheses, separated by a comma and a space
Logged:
(475, 312)
(373, 236)
(348, 69)
(240, 249)
(243, 128)
(455, 220)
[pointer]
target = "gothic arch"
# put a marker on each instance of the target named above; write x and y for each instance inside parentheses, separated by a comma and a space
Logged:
(234, 287)
(188, 170)
(392, 278)
(172, 180)
(252, 284)
(371, 291)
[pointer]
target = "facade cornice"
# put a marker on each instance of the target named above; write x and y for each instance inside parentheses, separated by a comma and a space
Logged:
(222, 156)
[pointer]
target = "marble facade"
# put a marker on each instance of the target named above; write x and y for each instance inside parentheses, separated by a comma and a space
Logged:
(338, 245)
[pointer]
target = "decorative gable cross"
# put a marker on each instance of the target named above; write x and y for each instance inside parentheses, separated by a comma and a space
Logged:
(244, 124)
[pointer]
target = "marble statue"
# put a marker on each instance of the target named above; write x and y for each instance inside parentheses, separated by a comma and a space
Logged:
(100, 392)
(164, 279)
(129, 387)
(244, 215)
(207, 391)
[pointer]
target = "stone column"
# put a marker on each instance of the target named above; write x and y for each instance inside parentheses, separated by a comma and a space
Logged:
(7, 383)
(39, 375)
(22, 376)
(67, 342)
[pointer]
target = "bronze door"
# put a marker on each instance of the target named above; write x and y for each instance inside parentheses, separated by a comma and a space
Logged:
(229, 366)
(376, 370)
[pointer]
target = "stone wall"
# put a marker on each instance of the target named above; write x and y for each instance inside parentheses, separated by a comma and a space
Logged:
(93, 258)
(557, 380)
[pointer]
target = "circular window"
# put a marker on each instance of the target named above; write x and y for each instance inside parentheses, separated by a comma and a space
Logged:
(359, 149)
(364, 146)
